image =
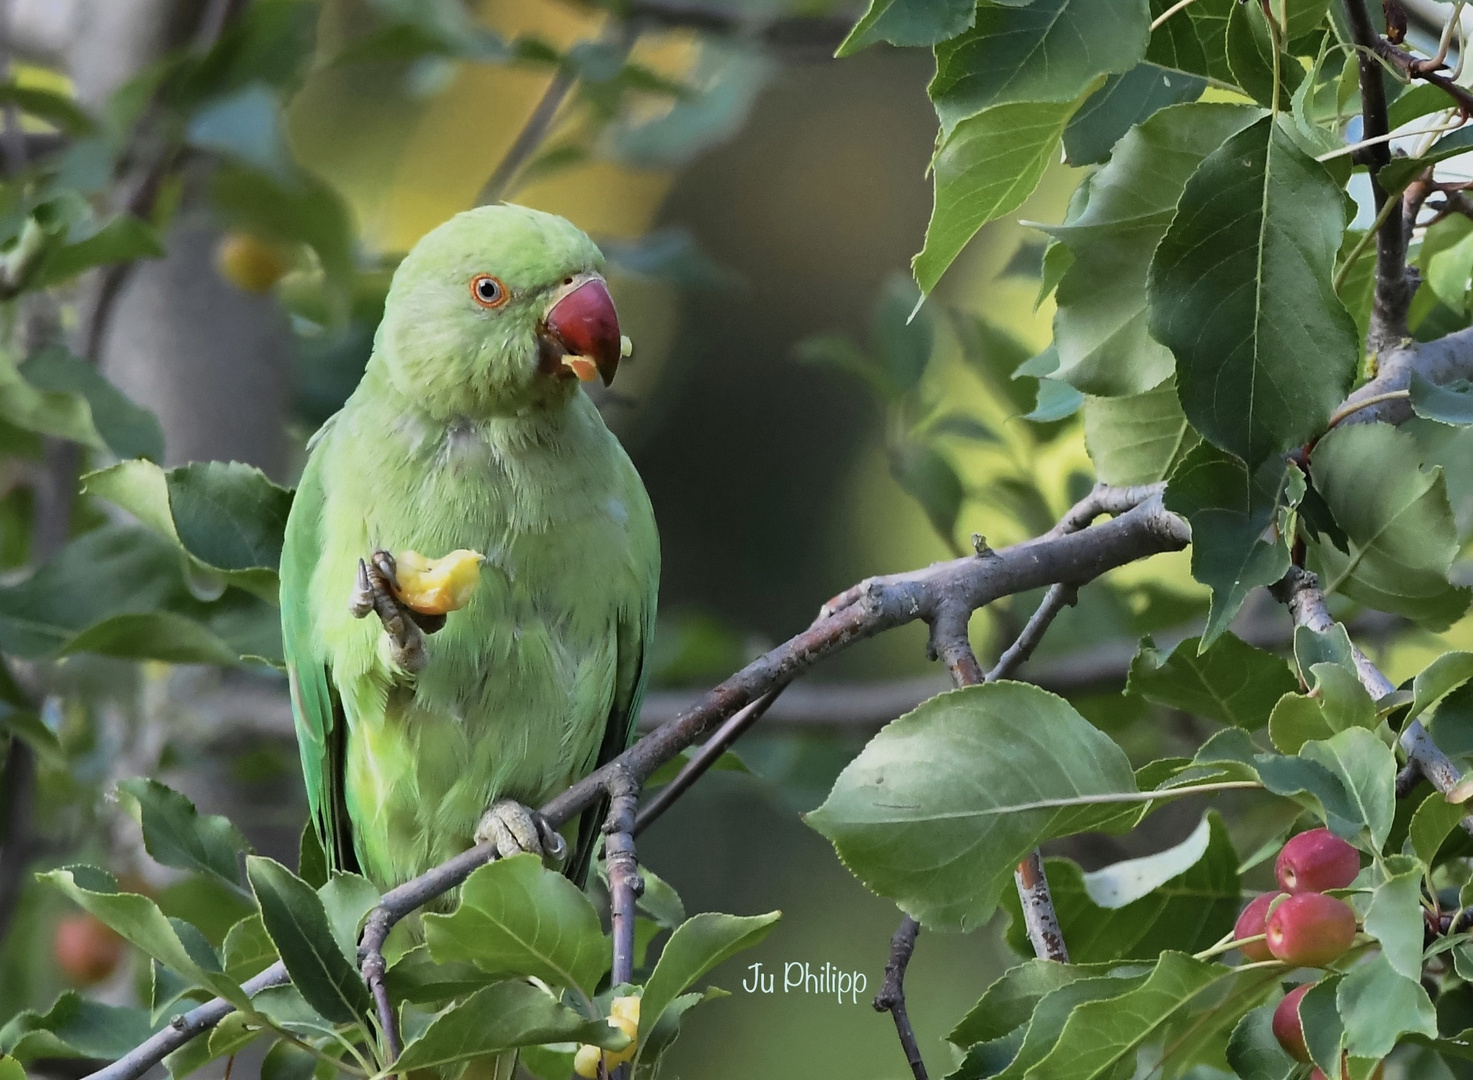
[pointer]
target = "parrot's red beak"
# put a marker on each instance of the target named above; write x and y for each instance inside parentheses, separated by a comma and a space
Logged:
(585, 327)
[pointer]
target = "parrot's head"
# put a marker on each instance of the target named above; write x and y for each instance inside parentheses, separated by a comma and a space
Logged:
(500, 309)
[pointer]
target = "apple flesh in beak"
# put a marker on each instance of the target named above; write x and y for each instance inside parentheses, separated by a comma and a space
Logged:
(584, 325)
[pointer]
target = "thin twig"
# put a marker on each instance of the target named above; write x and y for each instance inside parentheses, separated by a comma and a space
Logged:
(1059, 596)
(1393, 294)
(1040, 918)
(891, 998)
(1169, 12)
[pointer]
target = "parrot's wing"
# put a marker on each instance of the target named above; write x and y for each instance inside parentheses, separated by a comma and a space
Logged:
(316, 707)
(635, 632)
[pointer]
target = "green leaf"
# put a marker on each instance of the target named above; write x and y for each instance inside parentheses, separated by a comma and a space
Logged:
(940, 806)
(1123, 102)
(10, 1069)
(1100, 328)
(1240, 291)
(1230, 682)
(1184, 898)
(1193, 39)
(1438, 679)
(659, 900)
(1100, 1035)
(1330, 646)
(1324, 1030)
(518, 918)
(983, 169)
(1254, 1052)
(1338, 703)
(123, 239)
(347, 899)
(28, 726)
(417, 978)
(61, 112)
(300, 210)
(1250, 55)
(1137, 439)
(129, 430)
(503, 1017)
(229, 518)
(1396, 514)
(62, 414)
(140, 922)
(1431, 823)
(1231, 512)
(903, 337)
(1399, 172)
(1048, 51)
(1446, 259)
(297, 923)
(1012, 999)
(1379, 1006)
(1366, 770)
(73, 1027)
(1452, 404)
(929, 478)
(697, 946)
(1395, 915)
(248, 949)
(1016, 1056)
(908, 22)
(287, 1062)
(177, 835)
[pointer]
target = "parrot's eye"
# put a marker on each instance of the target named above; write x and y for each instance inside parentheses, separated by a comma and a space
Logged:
(489, 291)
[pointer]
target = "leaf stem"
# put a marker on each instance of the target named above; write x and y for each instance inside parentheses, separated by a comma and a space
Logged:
(1169, 12)
(1228, 946)
(1350, 410)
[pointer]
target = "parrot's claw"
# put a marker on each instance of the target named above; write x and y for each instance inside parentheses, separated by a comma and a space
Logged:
(375, 591)
(516, 829)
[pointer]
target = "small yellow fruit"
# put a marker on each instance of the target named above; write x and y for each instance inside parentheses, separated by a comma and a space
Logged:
(250, 263)
(435, 586)
(624, 1015)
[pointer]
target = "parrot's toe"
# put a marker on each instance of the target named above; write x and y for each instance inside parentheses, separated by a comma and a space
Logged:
(515, 829)
(374, 591)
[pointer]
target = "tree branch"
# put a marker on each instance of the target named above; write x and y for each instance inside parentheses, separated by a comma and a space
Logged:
(1393, 295)
(1440, 361)
(874, 606)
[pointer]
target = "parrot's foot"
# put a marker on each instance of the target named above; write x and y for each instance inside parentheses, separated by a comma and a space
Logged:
(376, 591)
(516, 829)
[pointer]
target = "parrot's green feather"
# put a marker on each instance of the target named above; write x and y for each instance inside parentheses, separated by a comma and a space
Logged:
(456, 439)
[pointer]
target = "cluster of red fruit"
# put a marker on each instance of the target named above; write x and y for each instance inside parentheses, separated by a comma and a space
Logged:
(1301, 925)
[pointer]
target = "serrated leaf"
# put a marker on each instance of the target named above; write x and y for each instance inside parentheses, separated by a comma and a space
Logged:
(1395, 915)
(1379, 1006)
(1338, 703)
(248, 949)
(1396, 514)
(940, 806)
(1451, 404)
(518, 918)
(1050, 50)
(1123, 102)
(129, 430)
(930, 479)
(297, 923)
(1231, 681)
(229, 518)
(140, 922)
(1193, 39)
(1250, 56)
(1324, 1030)
(503, 1017)
(74, 1027)
(1100, 1035)
(1254, 1052)
(1366, 770)
(1184, 898)
(178, 835)
(908, 22)
(985, 168)
(1137, 439)
(1433, 820)
(1100, 328)
(1399, 172)
(347, 899)
(1240, 291)
(697, 946)
(1010, 1001)
(1232, 513)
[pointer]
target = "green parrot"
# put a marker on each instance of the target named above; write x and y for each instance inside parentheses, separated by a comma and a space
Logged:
(421, 734)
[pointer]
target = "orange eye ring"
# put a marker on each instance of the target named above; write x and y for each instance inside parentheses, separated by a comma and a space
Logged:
(488, 291)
